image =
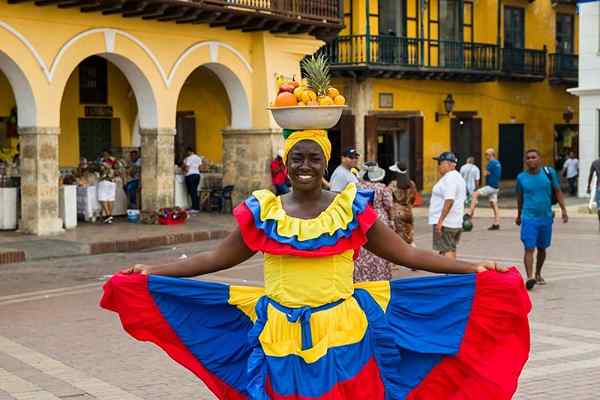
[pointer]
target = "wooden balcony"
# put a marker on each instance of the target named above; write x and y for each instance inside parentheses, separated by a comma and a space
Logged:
(412, 58)
(524, 64)
(320, 18)
(564, 69)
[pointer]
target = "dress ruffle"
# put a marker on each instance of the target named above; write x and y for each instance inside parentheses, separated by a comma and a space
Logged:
(444, 337)
(342, 226)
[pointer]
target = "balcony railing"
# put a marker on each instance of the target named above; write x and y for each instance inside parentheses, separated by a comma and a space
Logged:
(321, 18)
(524, 64)
(379, 49)
(564, 68)
(393, 56)
(319, 10)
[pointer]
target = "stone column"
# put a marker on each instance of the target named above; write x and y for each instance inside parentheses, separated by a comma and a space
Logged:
(39, 180)
(158, 168)
(247, 159)
(362, 94)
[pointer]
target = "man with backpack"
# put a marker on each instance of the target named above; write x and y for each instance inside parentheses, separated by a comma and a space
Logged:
(538, 189)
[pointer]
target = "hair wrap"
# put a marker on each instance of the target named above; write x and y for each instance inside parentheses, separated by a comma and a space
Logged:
(315, 135)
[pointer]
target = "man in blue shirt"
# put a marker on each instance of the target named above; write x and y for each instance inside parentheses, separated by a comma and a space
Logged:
(493, 172)
(535, 186)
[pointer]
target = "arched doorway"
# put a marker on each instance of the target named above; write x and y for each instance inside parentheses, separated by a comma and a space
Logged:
(97, 112)
(203, 111)
(9, 136)
(101, 101)
(17, 109)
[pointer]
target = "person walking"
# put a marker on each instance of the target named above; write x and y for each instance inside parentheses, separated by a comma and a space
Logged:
(447, 206)
(404, 192)
(471, 174)
(537, 186)
(191, 166)
(279, 173)
(342, 175)
(492, 173)
(595, 170)
(570, 170)
(369, 267)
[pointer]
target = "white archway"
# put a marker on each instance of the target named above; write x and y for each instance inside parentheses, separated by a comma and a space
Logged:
(26, 106)
(238, 98)
(142, 88)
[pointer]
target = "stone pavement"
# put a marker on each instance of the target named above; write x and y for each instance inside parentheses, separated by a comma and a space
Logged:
(55, 343)
(121, 236)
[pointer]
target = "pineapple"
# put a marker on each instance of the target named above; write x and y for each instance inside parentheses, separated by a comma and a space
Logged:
(317, 73)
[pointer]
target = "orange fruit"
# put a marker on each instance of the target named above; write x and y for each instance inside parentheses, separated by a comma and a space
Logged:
(333, 92)
(285, 99)
(339, 100)
(325, 101)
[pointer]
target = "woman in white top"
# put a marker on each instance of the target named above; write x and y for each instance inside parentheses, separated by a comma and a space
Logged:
(191, 167)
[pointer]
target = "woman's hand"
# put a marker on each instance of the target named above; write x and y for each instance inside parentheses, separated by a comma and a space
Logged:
(138, 269)
(488, 265)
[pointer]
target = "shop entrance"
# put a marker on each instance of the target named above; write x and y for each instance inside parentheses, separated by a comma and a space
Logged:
(396, 136)
(95, 135)
(566, 140)
(511, 149)
(465, 138)
(186, 134)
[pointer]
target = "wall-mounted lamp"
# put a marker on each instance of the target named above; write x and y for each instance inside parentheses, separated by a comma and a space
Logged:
(568, 115)
(448, 106)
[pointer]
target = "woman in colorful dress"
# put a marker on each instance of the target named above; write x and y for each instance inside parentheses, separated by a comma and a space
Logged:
(311, 333)
(369, 267)
(404, 191)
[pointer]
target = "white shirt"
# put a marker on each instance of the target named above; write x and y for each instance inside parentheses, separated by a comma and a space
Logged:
(192, 163)
(450, 187)
(572, 167)
(340, 178)
(471, 174)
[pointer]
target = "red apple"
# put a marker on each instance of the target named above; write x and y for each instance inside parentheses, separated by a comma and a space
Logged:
(287, 87)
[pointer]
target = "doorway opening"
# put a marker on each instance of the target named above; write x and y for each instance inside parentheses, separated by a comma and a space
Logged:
(510, 150)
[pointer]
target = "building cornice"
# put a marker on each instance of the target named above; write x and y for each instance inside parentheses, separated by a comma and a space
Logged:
(578, 91)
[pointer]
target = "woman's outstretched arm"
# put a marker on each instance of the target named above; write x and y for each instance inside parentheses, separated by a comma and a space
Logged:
(228, 253)
(385, 243)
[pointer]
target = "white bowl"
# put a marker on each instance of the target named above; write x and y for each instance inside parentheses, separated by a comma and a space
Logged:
(307, 117)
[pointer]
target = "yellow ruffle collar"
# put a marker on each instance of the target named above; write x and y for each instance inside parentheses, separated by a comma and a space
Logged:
(338, 215)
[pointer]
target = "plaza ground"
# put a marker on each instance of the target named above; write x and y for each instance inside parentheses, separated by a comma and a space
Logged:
(56, 343)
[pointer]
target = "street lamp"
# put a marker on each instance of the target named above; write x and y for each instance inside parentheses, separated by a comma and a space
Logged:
(448, 107)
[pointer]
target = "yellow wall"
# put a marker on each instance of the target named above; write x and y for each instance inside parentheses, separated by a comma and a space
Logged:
(7, 98)
(204, 94)
(120, 97)
(538, 106)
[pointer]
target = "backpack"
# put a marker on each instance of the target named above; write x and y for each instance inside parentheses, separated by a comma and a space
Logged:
(553, 199)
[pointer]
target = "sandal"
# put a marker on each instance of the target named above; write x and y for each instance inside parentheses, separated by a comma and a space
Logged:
(530, 283)
(540, 281)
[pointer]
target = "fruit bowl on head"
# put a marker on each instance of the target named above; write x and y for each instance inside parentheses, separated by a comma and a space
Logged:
(307, 117)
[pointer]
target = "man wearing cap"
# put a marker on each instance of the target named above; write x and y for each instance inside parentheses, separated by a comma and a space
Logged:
(343, 175)
(447, 206)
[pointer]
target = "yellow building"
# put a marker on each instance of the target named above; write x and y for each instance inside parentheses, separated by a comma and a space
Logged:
(502, 68)
(79, 76)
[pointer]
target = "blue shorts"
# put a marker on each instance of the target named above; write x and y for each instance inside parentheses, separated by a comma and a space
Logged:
(536, 233)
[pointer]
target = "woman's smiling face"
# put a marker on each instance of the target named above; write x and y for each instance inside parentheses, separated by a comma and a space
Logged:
(306, 164)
